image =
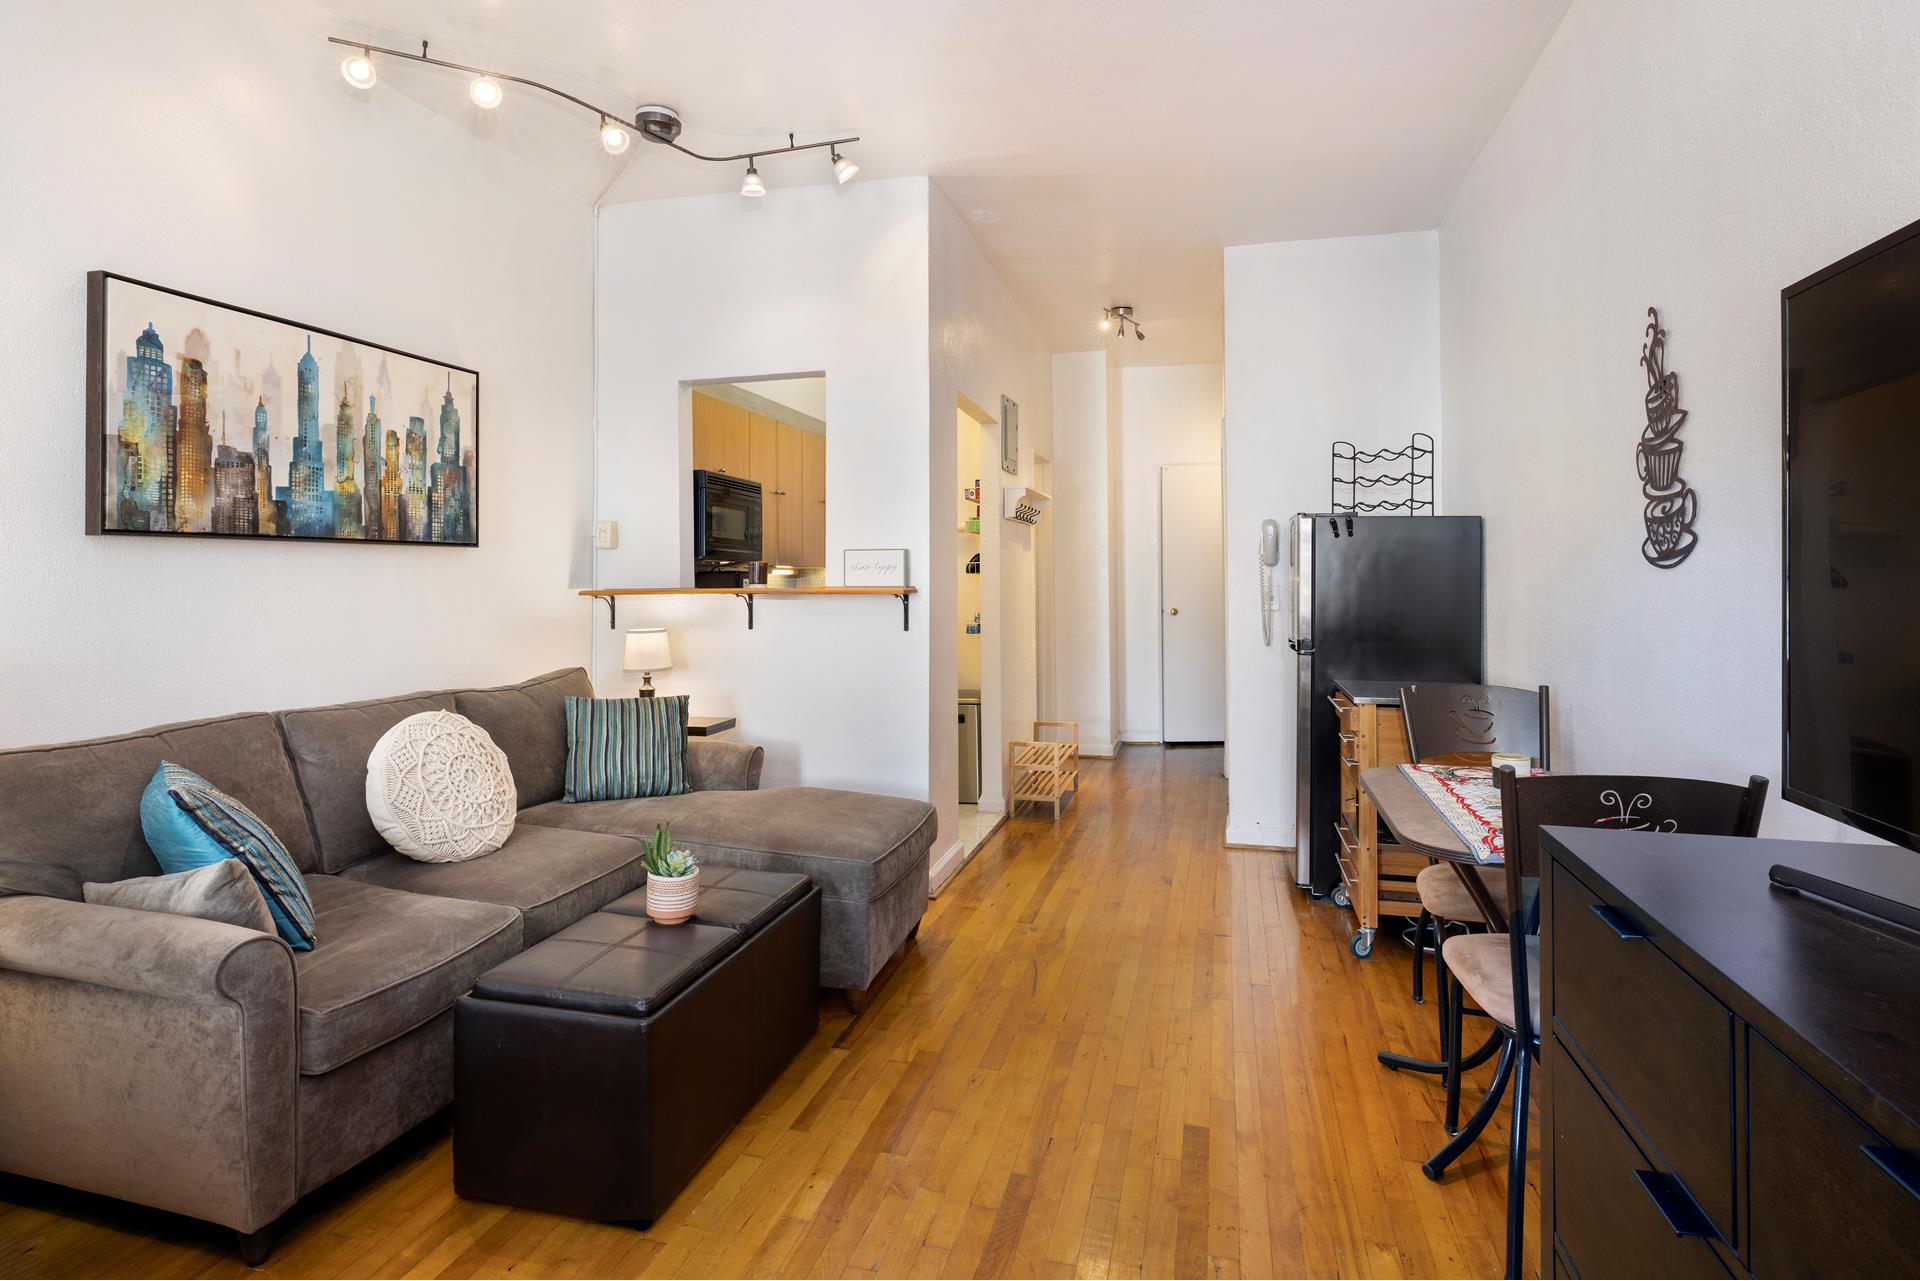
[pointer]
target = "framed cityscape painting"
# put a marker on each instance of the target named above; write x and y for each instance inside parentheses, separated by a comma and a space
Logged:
(212, 420)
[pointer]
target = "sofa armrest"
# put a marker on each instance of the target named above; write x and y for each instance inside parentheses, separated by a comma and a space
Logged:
(715, 765)
(149, 1057)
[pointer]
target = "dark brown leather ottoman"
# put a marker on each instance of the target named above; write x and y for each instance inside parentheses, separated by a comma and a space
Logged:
(597, 1070)
(782, 959)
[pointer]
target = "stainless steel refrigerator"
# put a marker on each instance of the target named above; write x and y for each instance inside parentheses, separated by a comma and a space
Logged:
(1376, 598)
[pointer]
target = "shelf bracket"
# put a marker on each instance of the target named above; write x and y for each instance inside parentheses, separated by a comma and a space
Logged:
(749, 599)
(906, 614)
(611, 624)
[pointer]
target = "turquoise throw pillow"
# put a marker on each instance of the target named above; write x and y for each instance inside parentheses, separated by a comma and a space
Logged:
(623, 747)
(189, 823)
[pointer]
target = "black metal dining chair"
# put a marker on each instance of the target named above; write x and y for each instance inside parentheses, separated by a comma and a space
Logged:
(1500, 972)
(1465, 723)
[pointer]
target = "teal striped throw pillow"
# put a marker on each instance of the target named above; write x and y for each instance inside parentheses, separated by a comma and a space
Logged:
(624, 747)
(190, 823)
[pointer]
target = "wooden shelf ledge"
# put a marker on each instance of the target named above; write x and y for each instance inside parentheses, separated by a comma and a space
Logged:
(749, 593)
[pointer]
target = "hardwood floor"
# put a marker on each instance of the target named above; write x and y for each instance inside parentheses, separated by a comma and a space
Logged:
(1117, 1049)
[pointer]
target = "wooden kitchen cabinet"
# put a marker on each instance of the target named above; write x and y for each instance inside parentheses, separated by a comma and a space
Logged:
(786, 518)
(720, 436)
(813, 501)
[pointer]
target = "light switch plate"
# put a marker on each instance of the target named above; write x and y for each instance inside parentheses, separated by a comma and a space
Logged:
(606, 534)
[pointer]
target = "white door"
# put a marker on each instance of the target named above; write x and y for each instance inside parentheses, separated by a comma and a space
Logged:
(1193, 632)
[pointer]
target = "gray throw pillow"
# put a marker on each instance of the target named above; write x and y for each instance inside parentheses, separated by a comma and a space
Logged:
(220, 891)
(22, 876)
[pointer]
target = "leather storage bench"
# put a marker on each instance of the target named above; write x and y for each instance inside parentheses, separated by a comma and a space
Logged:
(783, 962)
(596, 1071)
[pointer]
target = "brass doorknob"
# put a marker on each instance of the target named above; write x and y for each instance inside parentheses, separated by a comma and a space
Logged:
(1174, 610)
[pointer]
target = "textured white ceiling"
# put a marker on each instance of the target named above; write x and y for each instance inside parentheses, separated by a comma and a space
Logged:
(1103, 152)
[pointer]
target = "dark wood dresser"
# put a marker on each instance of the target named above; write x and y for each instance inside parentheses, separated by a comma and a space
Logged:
(1730, 1076)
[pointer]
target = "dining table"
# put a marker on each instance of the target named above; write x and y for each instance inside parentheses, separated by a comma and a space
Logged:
(1417, 823)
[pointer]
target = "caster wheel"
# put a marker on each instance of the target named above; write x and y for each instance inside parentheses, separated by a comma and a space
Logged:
(1341, 898)
(1361, 944)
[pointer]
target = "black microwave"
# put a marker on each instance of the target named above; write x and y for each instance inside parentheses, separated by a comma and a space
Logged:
(726, 518)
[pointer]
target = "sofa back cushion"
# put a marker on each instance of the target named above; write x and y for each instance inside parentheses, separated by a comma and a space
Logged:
(528, 722)
(77, 805)
(330, 746)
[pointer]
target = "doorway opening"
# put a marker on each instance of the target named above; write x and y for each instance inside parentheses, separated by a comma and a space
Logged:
(977, 722)
(760, 481)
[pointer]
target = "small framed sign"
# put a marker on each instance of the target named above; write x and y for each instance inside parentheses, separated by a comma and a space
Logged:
(1009, 437)
(873, 567)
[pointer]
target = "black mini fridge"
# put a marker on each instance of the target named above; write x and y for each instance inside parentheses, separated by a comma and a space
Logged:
(1374, 598)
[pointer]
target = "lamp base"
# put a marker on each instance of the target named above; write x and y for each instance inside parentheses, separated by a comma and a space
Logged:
(646, 686)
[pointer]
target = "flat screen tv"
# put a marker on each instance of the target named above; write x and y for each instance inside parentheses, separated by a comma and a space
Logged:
(1850, 402)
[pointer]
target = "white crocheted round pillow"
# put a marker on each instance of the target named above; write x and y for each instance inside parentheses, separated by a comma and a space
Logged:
(439, 790)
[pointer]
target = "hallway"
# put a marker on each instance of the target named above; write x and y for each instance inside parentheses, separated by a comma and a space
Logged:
(1117, 1049)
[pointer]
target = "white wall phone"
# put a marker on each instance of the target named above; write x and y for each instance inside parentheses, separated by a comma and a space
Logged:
(1269, 557)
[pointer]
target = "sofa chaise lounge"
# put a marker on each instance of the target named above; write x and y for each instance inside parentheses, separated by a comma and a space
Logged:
(207, 1069)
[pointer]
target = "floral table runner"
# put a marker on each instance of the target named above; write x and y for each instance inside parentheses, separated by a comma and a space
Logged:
(1468, 797)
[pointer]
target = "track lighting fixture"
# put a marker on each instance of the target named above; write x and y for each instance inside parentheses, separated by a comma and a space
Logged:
(655, 123)
(358, 70)
(1118, 318)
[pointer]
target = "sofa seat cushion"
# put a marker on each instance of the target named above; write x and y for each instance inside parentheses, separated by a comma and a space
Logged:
(553, 876)
(387, 962)
(853, 844)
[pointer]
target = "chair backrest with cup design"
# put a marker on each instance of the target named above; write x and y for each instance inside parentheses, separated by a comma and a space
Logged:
(1476, 721)
(1619, 802)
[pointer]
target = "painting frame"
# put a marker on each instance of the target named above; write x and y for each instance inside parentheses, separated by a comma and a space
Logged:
(99, 354)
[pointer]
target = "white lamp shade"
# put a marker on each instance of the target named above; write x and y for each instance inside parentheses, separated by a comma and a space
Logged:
(648, 650)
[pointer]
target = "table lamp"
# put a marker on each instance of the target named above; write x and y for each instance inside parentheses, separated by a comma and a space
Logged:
(648, 652)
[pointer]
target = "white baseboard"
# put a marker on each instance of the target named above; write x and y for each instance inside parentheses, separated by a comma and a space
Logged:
(946, 865)
(1253, 836)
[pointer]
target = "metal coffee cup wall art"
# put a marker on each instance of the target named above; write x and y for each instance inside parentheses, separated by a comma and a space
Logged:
(1672, 505)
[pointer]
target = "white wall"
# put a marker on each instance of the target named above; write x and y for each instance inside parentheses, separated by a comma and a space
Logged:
(1326, 340)
(980, 346)
(821, 279)
(207, 147)
(1083, 548)
(1696, 158)
(1168, 414)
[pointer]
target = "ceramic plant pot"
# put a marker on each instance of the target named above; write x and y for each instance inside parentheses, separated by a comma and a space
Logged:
(672, 899)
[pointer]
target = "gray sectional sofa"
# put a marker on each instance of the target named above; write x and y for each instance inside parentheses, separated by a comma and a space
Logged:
(208, 1069)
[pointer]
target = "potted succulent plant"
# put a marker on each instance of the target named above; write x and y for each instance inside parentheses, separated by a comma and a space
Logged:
(673, 879)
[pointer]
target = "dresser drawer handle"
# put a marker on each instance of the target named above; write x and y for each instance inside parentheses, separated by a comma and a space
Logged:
(1675, 1206)
(1623, 926)
(1898, 1165)
(1349, 738)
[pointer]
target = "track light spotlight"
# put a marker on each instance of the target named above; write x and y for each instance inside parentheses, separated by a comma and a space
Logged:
(843, 168)
(751, 184)
(358, 70)
(1139, 333)
(1106, 322)
(613, 137)
(485, 92)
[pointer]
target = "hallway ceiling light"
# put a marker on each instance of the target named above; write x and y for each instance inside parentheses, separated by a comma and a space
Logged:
(655, 123)
(358, 70)
(1118, 318)
(485, 92)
